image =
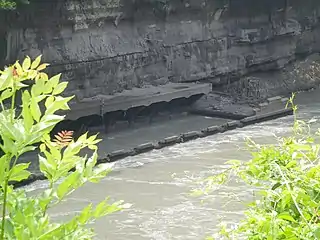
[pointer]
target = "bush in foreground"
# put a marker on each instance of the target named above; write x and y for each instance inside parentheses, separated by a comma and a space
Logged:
(287, 176)
(22, 128)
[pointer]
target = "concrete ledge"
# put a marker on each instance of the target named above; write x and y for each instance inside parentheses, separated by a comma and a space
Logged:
(223, 128)
(136, 97)
(116, 155)
(210, 130)
(216, 113)
(234, 124)
(249, 120)
(146, 147)
(169, 141)
(190, 136)
(267, 116)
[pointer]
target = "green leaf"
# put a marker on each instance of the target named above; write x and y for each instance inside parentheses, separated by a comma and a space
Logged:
(72, 149)
(3, 163)
(291, 164)
(275, 186)
(46, 124)
(54, 81)
(60, 103)
(103, 208)
(6, 125)
(49, 101)
(60, 88)
(286, 216)
(52, 118)
(6, 80)
(18, 68)
(46, 167)
(68, 185)
(26, 113)
(18, 172)
(6, 94)
(42, 67)
(35, 110)
(20, 85)
(37, 88)
(85, 215)
(36, 62)
(26, 149)
(317, 233)
(32, 74)
(26, 63)
(100, 172)
(234, 162)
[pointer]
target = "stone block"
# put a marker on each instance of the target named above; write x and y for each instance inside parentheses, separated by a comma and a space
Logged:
(249, 120)
(144, 147)
(119, 154)
(190, 135)
(211, 130)
(233, 125)
(170, 141)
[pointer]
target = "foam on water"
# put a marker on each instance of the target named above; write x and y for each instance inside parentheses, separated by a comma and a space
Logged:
(158, 184)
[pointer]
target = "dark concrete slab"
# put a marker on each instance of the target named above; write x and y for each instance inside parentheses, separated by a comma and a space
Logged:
(136, 97)
(221, 105)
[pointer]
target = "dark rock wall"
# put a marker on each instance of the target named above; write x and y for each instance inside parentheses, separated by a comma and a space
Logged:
(106, 46)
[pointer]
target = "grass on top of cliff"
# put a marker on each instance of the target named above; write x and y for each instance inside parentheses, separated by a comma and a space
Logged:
(287, 176)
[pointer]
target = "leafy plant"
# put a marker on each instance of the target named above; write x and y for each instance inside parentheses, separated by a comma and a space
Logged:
(11, 4)
(29, 100)
(286, 177)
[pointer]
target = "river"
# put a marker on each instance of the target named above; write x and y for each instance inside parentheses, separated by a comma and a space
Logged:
(158, 184)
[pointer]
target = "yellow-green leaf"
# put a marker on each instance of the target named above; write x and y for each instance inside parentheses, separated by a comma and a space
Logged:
(60, 103)
(36, 62)
(55, 80)
(6, 80)
(26, 63)
(32, 74)
(42, 66)
(44, 76)
(286, 216)
(19, 172)
(49, 101)
(67, 185)
(6, 94)
(85, 214)
(19, 68)
(35, 110)
(60, 88)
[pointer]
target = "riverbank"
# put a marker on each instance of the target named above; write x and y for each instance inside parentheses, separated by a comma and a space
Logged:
(180, 128)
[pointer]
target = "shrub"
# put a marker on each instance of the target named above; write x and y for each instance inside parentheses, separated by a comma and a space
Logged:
(29, 100)
(286, 177)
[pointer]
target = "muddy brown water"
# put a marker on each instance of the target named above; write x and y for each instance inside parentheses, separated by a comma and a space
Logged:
(158, 184)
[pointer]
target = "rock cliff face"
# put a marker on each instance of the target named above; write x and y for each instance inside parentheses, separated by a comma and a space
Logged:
(106, 46)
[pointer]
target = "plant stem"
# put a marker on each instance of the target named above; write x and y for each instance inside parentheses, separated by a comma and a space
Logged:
(13, 102)
(293, 198)
(4, 208)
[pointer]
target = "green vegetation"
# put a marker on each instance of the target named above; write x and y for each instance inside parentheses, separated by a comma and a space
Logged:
(11, 4)
(27, 126)
(286, 177)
